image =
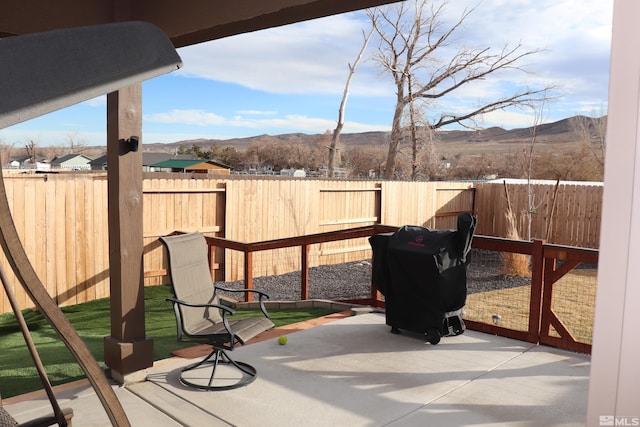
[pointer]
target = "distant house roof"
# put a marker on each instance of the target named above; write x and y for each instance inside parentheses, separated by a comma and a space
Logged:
(20, 158)
(177, 164)
(68, 157)
(149, 159)
(27, 158)
(28, 162)
(71, 160)
(190, 165)
(102, 160)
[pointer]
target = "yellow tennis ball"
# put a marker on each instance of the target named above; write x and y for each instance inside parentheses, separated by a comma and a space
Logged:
(282, 339)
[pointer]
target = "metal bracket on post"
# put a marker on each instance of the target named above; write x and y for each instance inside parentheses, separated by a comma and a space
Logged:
(134, 143)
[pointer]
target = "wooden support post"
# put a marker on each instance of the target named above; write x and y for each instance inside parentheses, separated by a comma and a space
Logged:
(304, 266)
(128, 349)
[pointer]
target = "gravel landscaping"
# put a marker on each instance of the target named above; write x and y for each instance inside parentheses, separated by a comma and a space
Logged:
(353, 280)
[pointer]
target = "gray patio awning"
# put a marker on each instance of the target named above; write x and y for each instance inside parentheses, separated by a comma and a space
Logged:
(48, 71)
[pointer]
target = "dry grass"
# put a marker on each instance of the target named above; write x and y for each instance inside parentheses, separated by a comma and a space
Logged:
(514, 264)
(573, 302)
(512, 305)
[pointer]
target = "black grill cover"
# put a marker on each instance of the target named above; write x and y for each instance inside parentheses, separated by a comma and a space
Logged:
(422, 273)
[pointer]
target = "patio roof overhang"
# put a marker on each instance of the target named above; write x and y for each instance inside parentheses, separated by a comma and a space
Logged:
(185, 22)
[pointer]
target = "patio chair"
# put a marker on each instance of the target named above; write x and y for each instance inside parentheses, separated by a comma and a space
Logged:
(201, 317)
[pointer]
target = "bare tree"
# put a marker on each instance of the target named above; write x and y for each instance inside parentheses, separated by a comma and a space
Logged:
(75, 143)
(532, 208)
(411, 41)
(6, 150)
(581, 128)
(366, 161)
(422, 140)
(591, 135)
(336, 132)
(600, 138)
(31, 147)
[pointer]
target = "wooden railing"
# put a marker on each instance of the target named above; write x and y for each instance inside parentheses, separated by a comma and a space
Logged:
(549, 263)
(303, 242)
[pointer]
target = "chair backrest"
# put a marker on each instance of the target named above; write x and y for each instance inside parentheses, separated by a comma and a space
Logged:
(191, 276)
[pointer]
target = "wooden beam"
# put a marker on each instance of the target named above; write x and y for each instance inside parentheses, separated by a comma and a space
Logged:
(34, 16)
(186, 23)
(197, 21)
(127, 349)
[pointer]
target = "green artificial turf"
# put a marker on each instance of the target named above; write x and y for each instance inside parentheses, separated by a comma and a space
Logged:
(92, 321)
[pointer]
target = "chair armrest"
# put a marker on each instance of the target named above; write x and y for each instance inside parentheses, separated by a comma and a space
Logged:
(224, 308)
(225, 311)
(255, 291)
(261, 296)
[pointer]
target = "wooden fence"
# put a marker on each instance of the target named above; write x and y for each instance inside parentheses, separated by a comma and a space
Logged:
(569, 216)
(262, 209)
(62, 221)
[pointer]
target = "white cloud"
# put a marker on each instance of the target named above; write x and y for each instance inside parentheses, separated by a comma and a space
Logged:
(254, 120)
(509, 119)
(312, 57)
(305, 58)
(186, 117)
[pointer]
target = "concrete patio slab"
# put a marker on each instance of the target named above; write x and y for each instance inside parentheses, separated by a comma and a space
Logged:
(354, 372)
(87, 409)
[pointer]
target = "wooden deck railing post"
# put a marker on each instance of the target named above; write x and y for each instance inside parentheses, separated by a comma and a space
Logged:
(304, 266)
(535, 301)
(210, 256)
(248, 274)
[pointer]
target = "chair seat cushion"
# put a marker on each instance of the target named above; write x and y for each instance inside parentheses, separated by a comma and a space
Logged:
(243, 329)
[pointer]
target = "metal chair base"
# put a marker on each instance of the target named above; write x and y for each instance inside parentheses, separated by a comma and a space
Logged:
(215, 358)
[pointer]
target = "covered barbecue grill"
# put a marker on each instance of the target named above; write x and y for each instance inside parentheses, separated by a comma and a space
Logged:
(423, 275)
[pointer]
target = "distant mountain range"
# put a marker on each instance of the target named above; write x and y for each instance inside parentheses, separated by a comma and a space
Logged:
(494, 139)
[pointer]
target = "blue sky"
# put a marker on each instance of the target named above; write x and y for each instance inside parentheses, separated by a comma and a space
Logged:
(291, 79)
